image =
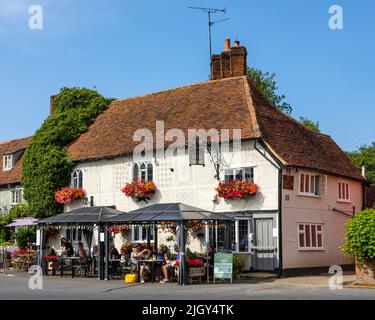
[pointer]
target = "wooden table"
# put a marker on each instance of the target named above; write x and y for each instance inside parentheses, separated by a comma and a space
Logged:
(65, 258)
(152, 263)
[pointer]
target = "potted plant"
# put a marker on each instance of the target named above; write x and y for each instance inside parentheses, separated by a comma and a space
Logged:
(51, 262)
(360, 244)
(67, 195)
(140, 190)
(195, 268)
(236, 189)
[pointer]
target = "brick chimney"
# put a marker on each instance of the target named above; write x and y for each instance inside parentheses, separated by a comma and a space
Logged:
(230, 63)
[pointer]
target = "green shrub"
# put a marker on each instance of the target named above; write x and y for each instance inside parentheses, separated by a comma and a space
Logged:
(19, 211)
(24, 236)
(238, 264)
(360, 236)
(46, 165)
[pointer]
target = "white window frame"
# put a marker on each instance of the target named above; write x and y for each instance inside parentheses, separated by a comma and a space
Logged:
(235, 170)
(76, 179)
(343, 199)
(299, 232)
(309, 193)
(7, 162)
(146, 171)
(140, 233)
(19, 197)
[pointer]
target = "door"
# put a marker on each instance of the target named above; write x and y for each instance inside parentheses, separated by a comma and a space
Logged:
(264, 244)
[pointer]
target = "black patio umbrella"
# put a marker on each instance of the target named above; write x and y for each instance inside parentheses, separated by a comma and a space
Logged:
(178, 212)
(167, 212)
(84, 215)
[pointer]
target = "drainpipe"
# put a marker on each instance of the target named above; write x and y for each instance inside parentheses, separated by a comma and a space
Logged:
(280, 167)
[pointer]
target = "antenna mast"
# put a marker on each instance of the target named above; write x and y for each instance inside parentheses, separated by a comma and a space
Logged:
(210, 11)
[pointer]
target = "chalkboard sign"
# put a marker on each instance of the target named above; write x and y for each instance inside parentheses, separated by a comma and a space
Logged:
(223, 266)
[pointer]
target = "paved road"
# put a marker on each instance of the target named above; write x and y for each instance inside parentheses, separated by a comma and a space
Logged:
(16, 287)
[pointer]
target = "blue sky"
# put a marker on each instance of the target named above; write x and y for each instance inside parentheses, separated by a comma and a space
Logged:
(126, 48)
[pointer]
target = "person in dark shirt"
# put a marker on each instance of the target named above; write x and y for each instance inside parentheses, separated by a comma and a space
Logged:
(69, 251)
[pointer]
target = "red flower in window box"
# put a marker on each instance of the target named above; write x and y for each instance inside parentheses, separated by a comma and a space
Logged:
(236, 189)
(140, 190)
(50, 258)
(67, 195)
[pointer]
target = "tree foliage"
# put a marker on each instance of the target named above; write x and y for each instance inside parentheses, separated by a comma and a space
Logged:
(360, 236)
(46, 165)
(266, 83)
(365, 156)
(19, 211)
(314, 126)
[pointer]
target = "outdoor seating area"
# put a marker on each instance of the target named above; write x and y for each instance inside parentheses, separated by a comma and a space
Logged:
(134, 262)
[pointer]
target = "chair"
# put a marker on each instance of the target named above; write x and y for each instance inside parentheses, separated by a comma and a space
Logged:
(81, 265)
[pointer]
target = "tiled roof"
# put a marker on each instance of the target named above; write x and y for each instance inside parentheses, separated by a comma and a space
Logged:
(14, 175)
(232, 103)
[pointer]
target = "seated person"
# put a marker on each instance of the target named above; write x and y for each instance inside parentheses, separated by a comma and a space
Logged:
(81, 251)
(68, 248)
(113, 252)
(134, 257)
(145, 268)
(173, 265)
(162, 269)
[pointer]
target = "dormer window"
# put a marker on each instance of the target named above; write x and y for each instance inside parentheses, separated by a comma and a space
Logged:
(7, 162)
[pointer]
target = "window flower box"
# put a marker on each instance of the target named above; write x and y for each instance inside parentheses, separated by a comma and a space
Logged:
(67, 195)
(140, 190)
(236, 189)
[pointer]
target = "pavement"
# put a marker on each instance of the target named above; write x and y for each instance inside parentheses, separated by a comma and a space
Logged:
(16, 286)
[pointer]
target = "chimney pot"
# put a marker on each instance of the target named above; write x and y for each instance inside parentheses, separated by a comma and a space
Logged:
(227, 45)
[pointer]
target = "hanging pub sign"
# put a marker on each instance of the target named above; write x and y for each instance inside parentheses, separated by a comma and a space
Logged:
(223, 266)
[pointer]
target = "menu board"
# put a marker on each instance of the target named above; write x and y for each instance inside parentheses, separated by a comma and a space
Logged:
(223, 266)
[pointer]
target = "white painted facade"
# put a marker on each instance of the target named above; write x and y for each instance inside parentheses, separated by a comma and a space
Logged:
(195, 186)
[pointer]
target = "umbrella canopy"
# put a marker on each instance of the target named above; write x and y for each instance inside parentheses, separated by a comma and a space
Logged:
(166, 212)
(25, 222)
(83, 215)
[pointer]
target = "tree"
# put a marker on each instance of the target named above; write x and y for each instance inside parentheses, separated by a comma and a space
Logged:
(314, 126)
(266, 83)
(365, 156)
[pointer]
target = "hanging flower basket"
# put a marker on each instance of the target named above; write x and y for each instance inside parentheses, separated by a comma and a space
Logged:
(140, 190)
(236, 189)
(115, 229)
(67, 195)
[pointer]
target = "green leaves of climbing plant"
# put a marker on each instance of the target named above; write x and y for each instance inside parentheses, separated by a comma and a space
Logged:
(46, 165)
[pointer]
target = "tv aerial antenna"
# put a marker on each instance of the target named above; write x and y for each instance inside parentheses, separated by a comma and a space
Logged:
(210, 12)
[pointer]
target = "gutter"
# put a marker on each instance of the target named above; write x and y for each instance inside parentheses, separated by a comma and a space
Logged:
(280, 167)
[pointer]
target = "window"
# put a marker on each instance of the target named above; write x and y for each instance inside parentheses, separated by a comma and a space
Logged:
(77, 179)
(343, 191)
(243, 235)
(196, 153)
(143, 171)
(216, 237)
(7, 162)
(16, 196)
(310, 236)
(139, 233)
(309, 184)
(239, 173)
(74, 235)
